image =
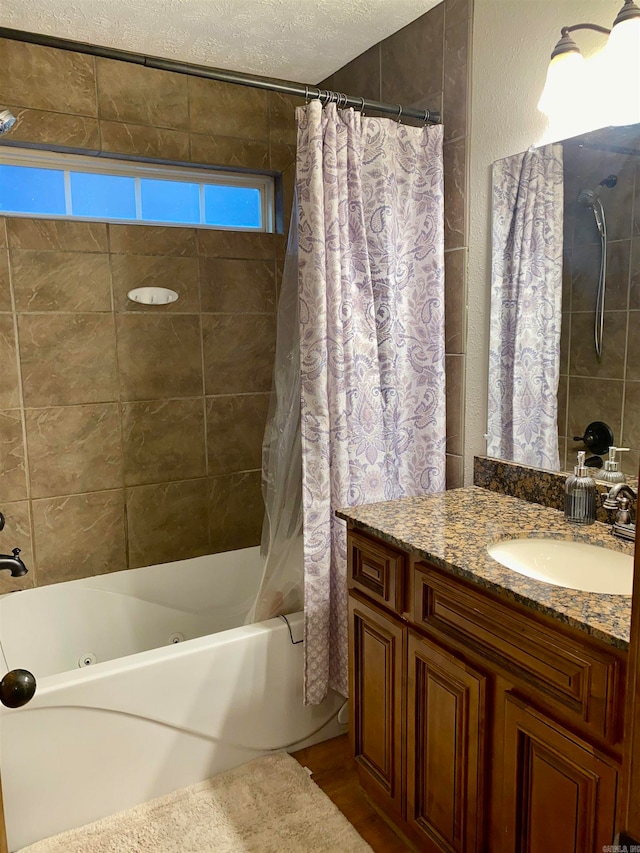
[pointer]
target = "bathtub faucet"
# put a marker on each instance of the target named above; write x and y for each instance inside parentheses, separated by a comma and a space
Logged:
(13, 564)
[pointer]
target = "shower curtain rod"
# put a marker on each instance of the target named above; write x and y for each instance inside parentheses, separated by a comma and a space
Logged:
(283, 86)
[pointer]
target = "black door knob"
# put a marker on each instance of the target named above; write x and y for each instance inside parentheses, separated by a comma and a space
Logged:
(17, 688)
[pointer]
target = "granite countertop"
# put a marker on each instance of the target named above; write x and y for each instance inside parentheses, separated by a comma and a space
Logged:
(453, 529)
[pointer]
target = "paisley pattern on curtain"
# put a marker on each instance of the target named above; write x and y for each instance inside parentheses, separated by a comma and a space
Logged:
(371, 314)
(526, 304)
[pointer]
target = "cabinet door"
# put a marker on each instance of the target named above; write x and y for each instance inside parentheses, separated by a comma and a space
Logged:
(558, 797)
(446, 737)
(376, 658)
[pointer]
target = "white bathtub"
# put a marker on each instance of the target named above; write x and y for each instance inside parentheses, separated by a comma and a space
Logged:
(150, 715)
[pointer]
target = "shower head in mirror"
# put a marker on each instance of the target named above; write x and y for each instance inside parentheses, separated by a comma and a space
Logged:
(589, 197)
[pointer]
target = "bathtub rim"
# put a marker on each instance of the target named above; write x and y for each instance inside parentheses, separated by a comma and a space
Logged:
(59, 680)
(176, 585)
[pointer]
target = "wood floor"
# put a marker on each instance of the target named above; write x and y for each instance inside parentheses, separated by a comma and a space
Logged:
(334, 770)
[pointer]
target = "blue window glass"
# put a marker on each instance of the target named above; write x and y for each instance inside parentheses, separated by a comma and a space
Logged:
(169, 201)
(235, 207)
(103, 196)
(127, 194)
(27, 190)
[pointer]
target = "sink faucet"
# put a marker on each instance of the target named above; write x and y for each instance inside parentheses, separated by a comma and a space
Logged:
(13, 564)
(616, 499)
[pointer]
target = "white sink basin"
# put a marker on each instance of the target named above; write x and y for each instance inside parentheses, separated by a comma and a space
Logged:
(575, 565)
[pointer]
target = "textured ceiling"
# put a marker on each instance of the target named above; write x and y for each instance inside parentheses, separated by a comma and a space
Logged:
(303, 40)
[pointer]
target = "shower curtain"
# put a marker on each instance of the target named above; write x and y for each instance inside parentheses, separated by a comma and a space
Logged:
(371, 319)
(281, 587)
(526, 304)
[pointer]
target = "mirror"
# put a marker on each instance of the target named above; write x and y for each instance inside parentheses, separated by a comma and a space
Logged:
(595, 178)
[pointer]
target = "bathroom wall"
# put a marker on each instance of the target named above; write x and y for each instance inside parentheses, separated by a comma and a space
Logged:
(607, 389)
(427, 65)
(131, 435)
(512, 45)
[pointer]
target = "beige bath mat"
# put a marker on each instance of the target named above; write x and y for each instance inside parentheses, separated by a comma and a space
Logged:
(270, 805)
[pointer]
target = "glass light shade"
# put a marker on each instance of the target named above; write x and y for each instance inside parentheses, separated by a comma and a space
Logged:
(621, 65)
(565, 78)
(567, 98)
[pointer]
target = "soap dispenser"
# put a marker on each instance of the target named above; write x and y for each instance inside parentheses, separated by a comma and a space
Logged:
(612, 472)
(580, 494)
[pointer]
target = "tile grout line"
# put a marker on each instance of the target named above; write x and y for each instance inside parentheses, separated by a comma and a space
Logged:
(23, 411)
(628, 313)
(97, 94)
(205, 436)
(120, 409)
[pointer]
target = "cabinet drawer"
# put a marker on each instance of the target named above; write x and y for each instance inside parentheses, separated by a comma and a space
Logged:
(573, 676)
(377, 570)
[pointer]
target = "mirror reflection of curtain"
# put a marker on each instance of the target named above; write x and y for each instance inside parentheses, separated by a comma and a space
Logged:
(526, 304)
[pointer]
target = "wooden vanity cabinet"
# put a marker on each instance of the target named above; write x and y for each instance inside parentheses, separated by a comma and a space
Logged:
(478, 727)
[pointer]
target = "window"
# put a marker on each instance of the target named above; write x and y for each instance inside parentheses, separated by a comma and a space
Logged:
(41, 183)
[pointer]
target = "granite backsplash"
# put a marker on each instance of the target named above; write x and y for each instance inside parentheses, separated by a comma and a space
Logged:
(530, 484)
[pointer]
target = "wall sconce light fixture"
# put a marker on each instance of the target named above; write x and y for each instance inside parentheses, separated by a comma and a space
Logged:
(607, 85)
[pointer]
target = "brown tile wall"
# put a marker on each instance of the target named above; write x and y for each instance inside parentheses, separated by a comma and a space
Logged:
(427, 65)
(606, 390)
(129, 434)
